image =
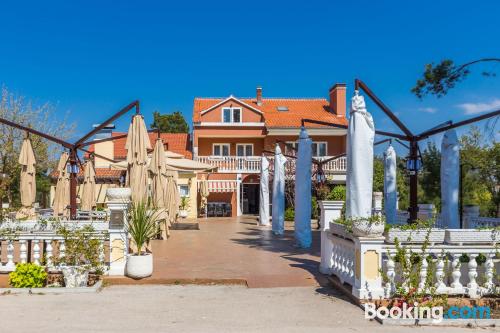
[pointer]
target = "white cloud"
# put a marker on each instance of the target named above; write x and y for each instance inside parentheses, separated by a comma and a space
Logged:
(474, 108)
(428, 110)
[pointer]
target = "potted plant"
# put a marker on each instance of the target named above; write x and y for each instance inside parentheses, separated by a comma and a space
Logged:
(142, 228)
(417, 232)
(81, 254)
(370, 227)
(184, 207)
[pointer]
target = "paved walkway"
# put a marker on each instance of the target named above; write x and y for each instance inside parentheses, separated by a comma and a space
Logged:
(234, 250)
(193, 309)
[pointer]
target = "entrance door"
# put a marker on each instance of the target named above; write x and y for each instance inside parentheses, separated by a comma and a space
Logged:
(250, 198)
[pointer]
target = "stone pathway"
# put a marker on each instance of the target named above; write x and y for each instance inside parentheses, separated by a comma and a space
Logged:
(232, 250)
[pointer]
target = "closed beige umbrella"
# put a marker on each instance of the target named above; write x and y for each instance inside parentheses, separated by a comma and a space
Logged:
(173, 197)
(137, 146)
(61, 198)
(158, 169)
(204, 193)
(88, 199)
(28, 181)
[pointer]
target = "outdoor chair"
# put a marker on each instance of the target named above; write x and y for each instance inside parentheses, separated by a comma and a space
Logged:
(211, 210)
(219, 210)
(227, 210)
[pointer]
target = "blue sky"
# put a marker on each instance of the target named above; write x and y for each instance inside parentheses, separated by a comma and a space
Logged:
(93, 57)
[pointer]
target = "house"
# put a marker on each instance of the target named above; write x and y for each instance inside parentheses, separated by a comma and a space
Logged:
(178, 143)
(233, 133)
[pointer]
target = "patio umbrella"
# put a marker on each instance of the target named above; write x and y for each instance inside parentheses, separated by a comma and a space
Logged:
(279, 192)
(264, 191)
(61, 198)
(303, 198)
(137, 146)
(390, 185)
(360, 136)
(27, 186)
(88, 199)
(450, 177)
(158, 169)
(204, 193)
(173, 198)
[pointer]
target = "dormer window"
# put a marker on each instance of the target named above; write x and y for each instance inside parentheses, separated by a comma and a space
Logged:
(231, 115)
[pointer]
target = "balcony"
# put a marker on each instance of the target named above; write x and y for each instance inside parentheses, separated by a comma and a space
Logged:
(251, 164)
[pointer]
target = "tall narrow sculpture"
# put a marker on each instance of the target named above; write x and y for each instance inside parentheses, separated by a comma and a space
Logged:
(264, 192)
(279, 192)
(450, 177)
(360, 137)
(303, 176)
(390, 185)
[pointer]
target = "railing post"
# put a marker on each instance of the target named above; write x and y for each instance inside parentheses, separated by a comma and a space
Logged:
(368, 263)
(330, 211)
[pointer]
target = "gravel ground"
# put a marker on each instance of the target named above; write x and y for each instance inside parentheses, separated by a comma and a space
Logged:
(192, 309)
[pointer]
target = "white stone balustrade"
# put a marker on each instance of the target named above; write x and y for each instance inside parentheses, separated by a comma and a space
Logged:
(455, 269)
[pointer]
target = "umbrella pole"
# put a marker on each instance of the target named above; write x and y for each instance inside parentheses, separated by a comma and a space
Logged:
(73, 160)
(413, 209)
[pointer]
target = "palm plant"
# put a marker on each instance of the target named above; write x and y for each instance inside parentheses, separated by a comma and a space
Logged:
(141, 226)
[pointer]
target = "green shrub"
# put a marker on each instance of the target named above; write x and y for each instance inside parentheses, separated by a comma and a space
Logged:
(28, 275)
(289, 214)
(314, 208)
(337, 193)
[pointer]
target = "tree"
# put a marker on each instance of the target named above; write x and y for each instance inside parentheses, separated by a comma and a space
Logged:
(22, 111)
(481, 172)
(430, 177)
(438, 79)
(170, 123)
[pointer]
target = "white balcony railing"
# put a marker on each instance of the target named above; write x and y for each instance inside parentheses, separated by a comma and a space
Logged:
(251, 164)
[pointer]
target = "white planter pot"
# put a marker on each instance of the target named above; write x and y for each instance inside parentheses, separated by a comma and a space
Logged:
(139, 267)
(472, 236)
(340, 230)
(415, 236)
(118, 194)
(367, 229)
(183, 213)
(75, 277)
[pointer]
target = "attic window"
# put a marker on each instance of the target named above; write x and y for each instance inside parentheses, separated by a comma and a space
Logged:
(282, 108)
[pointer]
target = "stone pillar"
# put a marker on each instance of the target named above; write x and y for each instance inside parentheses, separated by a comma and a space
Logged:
(118, 204)
(368, 262)
(426, 212)
(377, 203)
(238, 195)
(330, 211)
(470, 212)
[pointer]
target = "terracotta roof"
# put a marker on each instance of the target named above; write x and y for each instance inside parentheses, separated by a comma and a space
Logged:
(175, 142)
(298, 108)
(104, 173)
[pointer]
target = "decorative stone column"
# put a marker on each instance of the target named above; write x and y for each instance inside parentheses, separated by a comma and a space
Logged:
(368, 262)
(330, 211)
(426, 211)
(470, 212)
(377, 203)
(118, 204)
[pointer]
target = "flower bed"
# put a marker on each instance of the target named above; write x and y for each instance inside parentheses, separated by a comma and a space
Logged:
(415, 236)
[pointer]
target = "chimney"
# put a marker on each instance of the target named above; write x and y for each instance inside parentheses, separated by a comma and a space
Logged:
(337, 99)
(259, 96)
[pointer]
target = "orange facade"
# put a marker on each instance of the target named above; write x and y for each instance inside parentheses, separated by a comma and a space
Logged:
(233, 133)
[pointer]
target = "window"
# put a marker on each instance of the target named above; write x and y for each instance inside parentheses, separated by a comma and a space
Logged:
(244, 149)
(220, 149)
(184, 190)
(231, 115)
(319, 149)
(288, 147)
